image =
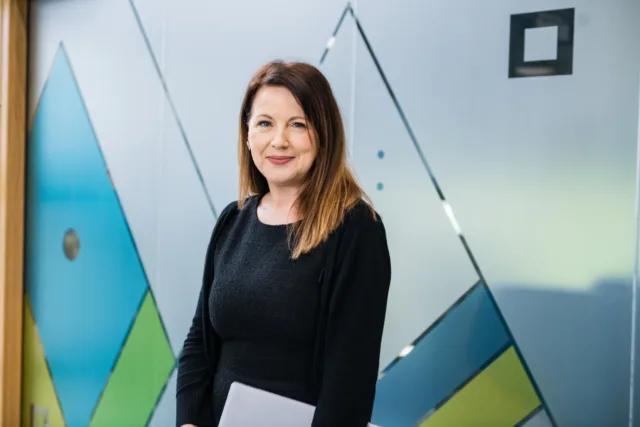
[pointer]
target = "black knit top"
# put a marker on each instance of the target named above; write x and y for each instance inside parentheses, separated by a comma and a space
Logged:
(309, 329)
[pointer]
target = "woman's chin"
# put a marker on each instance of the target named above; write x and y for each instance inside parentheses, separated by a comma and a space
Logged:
(284, 181)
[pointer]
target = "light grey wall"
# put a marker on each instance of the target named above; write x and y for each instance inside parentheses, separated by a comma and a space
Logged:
(540, 173)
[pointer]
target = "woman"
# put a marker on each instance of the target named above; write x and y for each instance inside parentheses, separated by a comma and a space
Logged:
(297, 271)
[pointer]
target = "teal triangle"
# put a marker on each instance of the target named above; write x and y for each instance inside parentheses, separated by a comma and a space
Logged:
(84, 297)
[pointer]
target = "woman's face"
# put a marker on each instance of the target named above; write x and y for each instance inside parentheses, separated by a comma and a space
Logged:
(279, 138)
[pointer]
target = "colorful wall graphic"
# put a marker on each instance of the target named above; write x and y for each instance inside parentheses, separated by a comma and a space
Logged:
(105, 349)
(132, 150)
(465, 370)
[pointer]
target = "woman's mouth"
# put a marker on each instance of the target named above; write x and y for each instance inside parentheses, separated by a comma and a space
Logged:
(279, 160)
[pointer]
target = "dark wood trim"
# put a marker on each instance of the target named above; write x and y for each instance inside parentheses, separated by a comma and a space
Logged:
(13, 109)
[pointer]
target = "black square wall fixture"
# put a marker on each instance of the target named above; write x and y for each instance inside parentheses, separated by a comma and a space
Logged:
(564, 20)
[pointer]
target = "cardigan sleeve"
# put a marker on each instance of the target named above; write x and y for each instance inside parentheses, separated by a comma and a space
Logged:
(357, 313)
(195, 366)
(194, 375)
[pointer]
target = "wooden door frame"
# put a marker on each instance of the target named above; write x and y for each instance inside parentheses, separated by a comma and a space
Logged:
(13, 137)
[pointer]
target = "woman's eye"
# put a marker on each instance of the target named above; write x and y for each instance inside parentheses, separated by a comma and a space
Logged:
(298, 125)
(263, 123)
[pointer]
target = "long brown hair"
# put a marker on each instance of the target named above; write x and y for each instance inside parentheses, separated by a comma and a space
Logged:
(330, 189)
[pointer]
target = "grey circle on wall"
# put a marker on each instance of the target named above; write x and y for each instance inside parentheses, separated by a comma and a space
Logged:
(71, 244)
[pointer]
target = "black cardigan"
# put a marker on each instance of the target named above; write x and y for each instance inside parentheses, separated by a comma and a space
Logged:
(355, 284)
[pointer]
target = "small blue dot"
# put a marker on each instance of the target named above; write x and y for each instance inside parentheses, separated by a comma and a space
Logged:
(380, 154)
(380, 186)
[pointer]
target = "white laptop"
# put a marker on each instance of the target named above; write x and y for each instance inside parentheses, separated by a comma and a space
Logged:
(248, 407)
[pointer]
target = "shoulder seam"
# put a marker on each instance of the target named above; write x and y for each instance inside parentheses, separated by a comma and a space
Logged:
(228, 209)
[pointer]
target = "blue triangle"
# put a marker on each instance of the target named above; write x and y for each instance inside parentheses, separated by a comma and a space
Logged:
(83, 306)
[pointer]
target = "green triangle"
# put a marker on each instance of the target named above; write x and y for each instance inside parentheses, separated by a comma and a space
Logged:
(145, 363)
(40, 404)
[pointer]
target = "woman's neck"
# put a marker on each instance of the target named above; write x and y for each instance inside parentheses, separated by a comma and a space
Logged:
(279, 204)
